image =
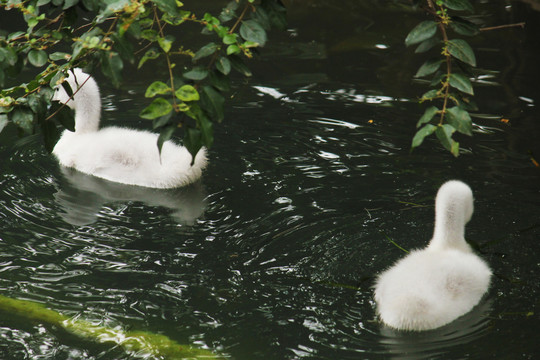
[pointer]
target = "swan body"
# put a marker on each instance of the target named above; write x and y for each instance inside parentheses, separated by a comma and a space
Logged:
(117, 154)
(432, 287)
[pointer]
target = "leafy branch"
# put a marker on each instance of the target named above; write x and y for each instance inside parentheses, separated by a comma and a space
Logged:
(452, 89)
(134, 32)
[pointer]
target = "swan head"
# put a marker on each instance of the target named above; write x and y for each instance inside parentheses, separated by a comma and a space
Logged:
(453, 210)
(86, 100)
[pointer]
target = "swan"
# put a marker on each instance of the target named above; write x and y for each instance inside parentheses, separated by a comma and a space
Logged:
(432, 287)
(122, 155)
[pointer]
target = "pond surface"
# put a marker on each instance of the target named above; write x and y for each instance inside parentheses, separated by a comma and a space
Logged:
(273, 255)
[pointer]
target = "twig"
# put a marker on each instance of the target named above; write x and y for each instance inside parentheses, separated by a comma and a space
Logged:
(521, 24)
(240, 18)
(393, 242)
(233, 28)
(169, 66)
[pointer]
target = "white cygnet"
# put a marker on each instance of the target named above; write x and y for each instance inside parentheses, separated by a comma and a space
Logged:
(434, 286)
(117, 154)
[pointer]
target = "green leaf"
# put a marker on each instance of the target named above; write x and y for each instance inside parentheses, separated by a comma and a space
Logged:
(261, 16)
(158, 107)
(459, 5)
(428, 115)
(37, 104)
(444, 134)
(238, 65)
(67, 88)
(66, 117)
(111, 66)
(431, 94)
(212, 102)
(197, 73)
(427, 45)
(468, 105)
(157, 88)
(162, 120)
(15, 35)
(124, 48)
(167, 6)
(421, 32)
(460, 120)
(165, 135)
(461, 50)
(187, 93)
(166, 42)
(24, 119)
(6, 104)
(429, 67)
(438, 79)
(228, 12)
(37, 58)
(51, 134)
(207, 130)
(150, 54)
(193, 141)
(78, 50)
(206, 50)
(233, 49)
(149, 34)
(32, 85)
(230, 39)
(3, 121)
(112, 6)
(251, 30)
(223, 65)
(221, 31)
(420, 135)
(69, 3)
(220, 81)
(9, 55)
(455, 148)
(55, 56)
(32, 22)
(276, 13)
(464, 27)
(462, 83)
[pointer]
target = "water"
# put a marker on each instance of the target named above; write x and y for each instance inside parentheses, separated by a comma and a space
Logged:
(273, 254)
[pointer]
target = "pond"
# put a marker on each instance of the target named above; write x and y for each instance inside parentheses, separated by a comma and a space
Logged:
(311, 182)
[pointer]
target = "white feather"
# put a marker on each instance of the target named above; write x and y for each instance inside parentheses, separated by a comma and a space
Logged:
(432, 287)
(117, 154)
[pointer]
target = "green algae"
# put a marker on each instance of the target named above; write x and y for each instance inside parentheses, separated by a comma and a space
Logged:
(133, 342)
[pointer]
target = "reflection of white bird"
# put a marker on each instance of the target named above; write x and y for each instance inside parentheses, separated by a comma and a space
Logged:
(82, 197)
(122, 155)
(432, 287)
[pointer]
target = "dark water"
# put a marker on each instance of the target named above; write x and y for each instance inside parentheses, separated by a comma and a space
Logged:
(273, 254)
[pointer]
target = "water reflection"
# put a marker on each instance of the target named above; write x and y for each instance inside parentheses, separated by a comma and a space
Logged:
(82, 197)
(429, 344)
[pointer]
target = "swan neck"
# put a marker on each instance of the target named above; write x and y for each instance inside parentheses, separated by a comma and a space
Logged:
(449, 231)
(451, 216)
(87, 106)
(86, 120)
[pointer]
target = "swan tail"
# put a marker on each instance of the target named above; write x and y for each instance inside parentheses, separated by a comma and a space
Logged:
(408, 312)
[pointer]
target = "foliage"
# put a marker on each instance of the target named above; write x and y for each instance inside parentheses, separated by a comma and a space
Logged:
(133, 342)
(451, 88)
(135, 32)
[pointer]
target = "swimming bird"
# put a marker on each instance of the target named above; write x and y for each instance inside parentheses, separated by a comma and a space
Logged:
(122, 155)
(434, 286)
